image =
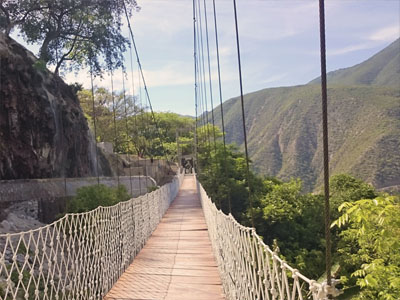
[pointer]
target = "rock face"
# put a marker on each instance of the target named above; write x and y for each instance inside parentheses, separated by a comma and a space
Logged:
(43, 132)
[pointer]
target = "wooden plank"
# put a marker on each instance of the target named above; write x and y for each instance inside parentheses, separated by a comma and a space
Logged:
(177, 262)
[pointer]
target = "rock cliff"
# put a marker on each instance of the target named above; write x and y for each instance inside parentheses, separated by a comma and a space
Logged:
(43, 132)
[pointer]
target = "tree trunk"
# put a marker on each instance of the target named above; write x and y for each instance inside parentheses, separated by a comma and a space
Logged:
(44, 49)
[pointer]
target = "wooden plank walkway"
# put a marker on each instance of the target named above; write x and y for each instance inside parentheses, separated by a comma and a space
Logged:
(177, 263)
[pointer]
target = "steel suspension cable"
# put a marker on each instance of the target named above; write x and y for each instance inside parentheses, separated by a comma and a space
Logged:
(94, 123)
(195, 85)
(220, 99)
(202, 73)
(328, 262)
(115, 122)
(219, 73)
(243, 112)
(145, 85)
(134, 115)
(209, 75)
(127, 130)
(199, 85)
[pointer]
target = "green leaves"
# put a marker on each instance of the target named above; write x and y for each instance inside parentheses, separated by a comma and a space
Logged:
(81, 32)
(372, 227)
(90, 197)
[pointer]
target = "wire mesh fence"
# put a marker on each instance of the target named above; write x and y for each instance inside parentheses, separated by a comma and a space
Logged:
(249, 269)
(80, 256)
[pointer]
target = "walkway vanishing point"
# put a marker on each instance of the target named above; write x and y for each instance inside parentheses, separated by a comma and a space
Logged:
(177, 262)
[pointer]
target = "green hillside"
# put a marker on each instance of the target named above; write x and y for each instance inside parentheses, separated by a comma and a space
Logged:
(285, 133)
(381, 69)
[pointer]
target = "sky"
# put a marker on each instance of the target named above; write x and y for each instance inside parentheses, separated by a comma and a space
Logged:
(279, 44)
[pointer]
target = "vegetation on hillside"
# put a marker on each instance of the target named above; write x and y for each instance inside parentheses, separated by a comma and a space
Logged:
(284, 125)
(365, 231)
(136, 130)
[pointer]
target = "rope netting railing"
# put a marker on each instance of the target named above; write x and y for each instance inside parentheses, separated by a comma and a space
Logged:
(81, 256)
(249, 269)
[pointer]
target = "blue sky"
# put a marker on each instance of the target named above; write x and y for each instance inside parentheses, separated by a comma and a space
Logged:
(279, 44)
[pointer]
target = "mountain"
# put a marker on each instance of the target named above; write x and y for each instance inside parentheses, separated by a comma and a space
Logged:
(381, 69)
(285, 133)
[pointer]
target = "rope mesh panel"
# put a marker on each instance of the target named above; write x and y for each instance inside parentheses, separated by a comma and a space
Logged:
(249, 269)
(80, 256)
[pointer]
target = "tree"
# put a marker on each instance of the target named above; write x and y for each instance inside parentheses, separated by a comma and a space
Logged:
(369, 247)
(82, 32)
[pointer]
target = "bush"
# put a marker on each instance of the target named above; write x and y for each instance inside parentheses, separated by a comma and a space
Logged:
(90, 197)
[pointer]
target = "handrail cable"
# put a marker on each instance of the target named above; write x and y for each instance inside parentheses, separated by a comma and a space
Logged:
(328, 262)
(243, 112)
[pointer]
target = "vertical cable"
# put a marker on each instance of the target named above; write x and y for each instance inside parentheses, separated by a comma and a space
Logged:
(209, 75)
(127, 130)
(115, 124)
(195, 85)
(134, 113)
(243, 114)
(220, 99)
(325, 140)
(94, 124)
(202, 74)
(219, 73)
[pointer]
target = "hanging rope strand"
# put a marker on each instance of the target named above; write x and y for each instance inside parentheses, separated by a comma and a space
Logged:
(325, 140)
(243, 111)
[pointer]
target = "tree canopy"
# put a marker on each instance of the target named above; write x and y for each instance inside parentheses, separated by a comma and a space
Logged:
(82, 32)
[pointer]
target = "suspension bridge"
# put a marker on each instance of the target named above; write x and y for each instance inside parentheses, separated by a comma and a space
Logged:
(146, 249)
(172, 243)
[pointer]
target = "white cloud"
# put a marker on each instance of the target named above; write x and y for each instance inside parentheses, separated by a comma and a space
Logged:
(349, 49)
(387, 34)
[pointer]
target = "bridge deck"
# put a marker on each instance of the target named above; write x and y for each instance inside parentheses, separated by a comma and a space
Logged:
(177, 263)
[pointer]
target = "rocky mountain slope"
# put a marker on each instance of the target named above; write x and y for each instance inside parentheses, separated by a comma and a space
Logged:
(285, 133)
(43, 132)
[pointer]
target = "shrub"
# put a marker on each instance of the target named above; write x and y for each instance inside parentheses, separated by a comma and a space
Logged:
(90, 197)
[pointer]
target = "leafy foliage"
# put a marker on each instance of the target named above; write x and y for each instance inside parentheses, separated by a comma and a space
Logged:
(135, 129)
(79, 31)
(369, 246)
(90, 197)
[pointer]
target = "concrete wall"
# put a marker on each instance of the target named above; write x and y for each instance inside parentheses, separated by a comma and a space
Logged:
(35, 189)
(44, 199)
